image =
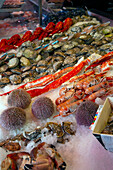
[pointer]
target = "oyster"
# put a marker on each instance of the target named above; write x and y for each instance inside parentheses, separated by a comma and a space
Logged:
(24, 61)
(66, 47)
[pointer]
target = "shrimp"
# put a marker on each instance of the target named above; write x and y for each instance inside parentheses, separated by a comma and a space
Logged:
(80, 83)
(78, 95)
(69, 109)
(97, 87)
(65, 97)
(98, 93)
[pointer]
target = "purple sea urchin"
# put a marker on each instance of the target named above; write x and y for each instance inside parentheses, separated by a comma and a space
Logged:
(19, 98)
(12, 118)
(43, 108)
(85, 113)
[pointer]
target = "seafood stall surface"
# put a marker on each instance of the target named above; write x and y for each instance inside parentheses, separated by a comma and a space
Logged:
(81, 151)
(61, 73)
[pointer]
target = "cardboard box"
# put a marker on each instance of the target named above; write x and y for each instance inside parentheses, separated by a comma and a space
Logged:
(100, 123)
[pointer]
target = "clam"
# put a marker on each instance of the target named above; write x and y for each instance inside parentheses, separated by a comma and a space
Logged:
(86, 38)
(27, 68)
(97, 36)
(29, 53)
(8, 73)
(33, 134)
(27, 44)
(70, 52)
(57, 35)
(26, 74)
(57, 65)
(66, 47)
(28, 79)
(41, 69)
(46, 40)
(3, 68)
(13, 62)
(59, 53)
(42, 63)
(57, 58)
(15, 79)
(69, 128)
(16, 70)
(105, 46)
(38, 58)
(25, 61)
(56, 46)
(69, 60)
(49, 49)
(19, 54)
(76, 29)
(107, 30)
(48, 59)
(55, 128)
(4, 81)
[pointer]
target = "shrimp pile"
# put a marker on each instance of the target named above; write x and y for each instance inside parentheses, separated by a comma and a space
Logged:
(88, 86)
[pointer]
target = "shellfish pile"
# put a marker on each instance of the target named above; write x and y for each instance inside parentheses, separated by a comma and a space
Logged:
(36, 59)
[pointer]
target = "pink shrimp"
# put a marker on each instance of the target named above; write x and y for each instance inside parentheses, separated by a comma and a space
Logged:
(97, 87)
(98, 93)
(68, 109)
(65, 97)
(77, 96)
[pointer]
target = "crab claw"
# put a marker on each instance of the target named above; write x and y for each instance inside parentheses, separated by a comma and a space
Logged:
(42, 163)
(8, 163)
(16, 161)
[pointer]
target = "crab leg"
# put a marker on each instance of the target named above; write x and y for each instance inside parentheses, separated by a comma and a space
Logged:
(108, 93)
(106, 65)
(82, 76)
(46, 79)
(100, 60)
(39, 82)
(55, 84)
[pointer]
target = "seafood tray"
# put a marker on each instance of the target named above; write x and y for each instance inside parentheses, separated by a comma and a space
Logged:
(46, 78)
(99, 126)
(11, 5)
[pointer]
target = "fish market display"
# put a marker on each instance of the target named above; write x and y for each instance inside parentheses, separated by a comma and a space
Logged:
(56, 75)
